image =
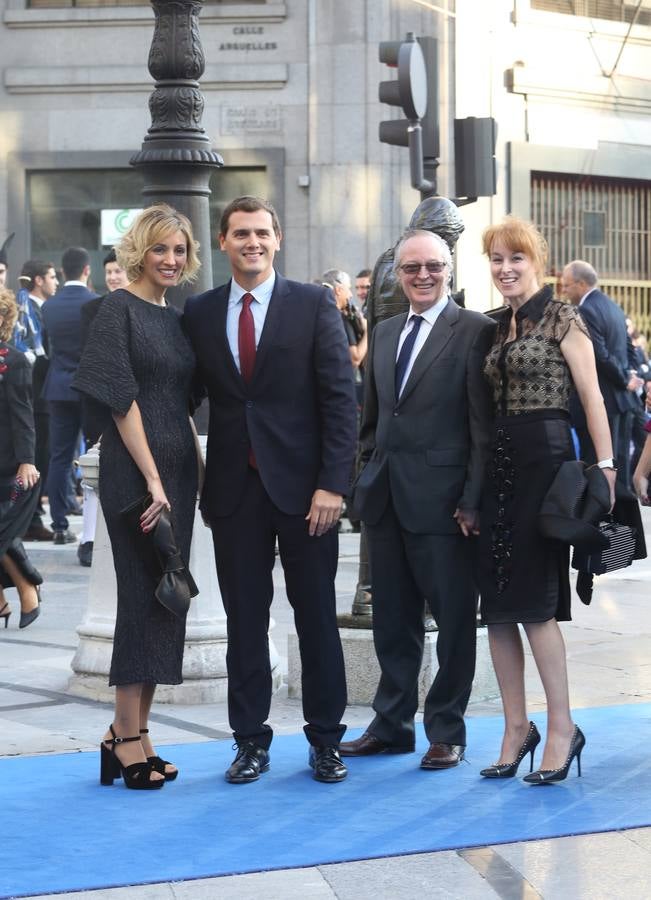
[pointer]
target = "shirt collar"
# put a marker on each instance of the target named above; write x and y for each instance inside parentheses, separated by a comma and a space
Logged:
(534, 308)
(74, 283)
(262, 293)
(430, 315)
(585, 296)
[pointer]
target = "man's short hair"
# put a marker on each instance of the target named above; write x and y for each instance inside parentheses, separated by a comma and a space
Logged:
(73, 262)
(31, 270)
(420, 232)
(580, 270)
(110, 257)
(249, 204)
(364, 273)
(335, 276)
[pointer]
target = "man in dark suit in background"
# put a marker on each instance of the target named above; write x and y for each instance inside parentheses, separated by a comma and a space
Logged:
(274, 360)
(62, 320)
(424, 438)
(40, 281)
(607, 326)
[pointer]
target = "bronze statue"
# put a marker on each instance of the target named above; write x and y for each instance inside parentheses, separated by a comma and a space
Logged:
(385, 298)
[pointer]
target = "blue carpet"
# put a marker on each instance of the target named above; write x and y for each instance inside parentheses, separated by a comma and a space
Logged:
(62, 831)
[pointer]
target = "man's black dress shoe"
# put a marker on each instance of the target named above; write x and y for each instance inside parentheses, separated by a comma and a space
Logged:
(327, 764)
(369, 745)
(85, 554)
(249, 763)
(442, 756)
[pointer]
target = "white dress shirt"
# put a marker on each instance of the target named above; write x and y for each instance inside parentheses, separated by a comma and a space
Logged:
(261, 297)
(429, 319)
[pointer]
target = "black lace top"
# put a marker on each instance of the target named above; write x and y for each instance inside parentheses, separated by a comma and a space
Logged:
(529, 373)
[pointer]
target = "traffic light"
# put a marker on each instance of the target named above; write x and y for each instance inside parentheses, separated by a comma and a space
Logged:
(408, 92)
(417, 65)
(474, 157)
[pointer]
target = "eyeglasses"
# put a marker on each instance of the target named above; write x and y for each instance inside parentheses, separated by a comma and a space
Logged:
(434, 268)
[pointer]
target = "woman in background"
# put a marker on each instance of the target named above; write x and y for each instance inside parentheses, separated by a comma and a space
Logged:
(19, 477)
(541, 349)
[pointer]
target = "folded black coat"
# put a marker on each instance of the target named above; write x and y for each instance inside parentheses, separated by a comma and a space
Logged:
(162, 557)
(578, 498)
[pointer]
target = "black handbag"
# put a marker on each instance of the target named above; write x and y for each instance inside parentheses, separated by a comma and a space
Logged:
(161, 556)
(578, 498)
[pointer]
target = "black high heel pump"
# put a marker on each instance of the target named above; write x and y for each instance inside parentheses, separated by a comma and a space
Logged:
(508, 770)
(137, 776)
(546, 776)
(5, 612)
(158, 764)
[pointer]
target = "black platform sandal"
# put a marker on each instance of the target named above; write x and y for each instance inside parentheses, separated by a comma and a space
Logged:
(158, 764)
(136, 776)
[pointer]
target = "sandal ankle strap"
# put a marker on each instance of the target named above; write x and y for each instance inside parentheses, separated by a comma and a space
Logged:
(120, 740)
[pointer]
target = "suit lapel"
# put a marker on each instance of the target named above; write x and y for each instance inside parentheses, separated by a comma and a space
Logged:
(385, 368)
(218, 311)
(436, 342)
(271, 322)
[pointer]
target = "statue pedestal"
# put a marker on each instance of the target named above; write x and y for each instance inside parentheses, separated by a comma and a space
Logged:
(204, 660)
(363, 670)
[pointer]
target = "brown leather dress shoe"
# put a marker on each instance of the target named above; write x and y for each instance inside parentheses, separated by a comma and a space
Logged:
(369, 745)
(38, 533)
(442, 756)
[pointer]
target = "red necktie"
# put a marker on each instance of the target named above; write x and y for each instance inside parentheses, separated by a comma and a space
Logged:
(246, 338)
(246, 347)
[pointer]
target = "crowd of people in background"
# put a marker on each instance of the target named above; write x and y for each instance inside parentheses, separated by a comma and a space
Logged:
(462, 420)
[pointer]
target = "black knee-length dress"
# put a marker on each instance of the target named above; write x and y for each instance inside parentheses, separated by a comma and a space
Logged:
(138, 351)
(524, 577)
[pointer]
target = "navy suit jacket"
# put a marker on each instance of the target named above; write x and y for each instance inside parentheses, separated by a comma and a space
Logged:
(298, 412)
(606, 323)
(62, 320)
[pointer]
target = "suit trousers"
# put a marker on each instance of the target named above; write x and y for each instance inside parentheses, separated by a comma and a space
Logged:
(245, 554)
(408, 569)
(65, 425)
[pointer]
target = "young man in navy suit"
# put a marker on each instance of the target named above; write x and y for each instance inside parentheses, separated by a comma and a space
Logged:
(62, 321)
(273, 358)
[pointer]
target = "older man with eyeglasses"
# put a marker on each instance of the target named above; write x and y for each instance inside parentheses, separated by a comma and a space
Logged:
(424, 440)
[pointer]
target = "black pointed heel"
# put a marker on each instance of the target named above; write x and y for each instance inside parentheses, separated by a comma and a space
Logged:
(158, 764)
(508, 770)
(136, 776)
(29, 617)
(547, 776)
(5, 613)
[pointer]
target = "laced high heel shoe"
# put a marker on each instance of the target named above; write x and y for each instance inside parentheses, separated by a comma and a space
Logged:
(546, 776)
(5, 612)
(508, 770)
(158, 764)
(136, 776)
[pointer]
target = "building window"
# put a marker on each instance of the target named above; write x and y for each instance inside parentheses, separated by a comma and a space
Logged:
(65, 208)
(613, 10)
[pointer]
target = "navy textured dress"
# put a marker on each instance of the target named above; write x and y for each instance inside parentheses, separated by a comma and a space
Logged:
(138, 351)
(524, 577)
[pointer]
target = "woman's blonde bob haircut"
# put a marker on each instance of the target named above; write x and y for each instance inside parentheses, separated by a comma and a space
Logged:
(8, 313)
(152, 225)
(518, 235)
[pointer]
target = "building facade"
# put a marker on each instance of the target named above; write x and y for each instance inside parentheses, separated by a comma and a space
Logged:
(291, 105)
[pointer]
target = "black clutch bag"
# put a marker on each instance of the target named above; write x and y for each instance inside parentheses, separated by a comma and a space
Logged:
(160, 554)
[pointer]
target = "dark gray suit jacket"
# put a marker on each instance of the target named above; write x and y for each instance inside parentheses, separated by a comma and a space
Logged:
(427, 450)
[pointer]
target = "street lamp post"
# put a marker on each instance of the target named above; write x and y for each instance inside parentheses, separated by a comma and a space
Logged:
(176, 157)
